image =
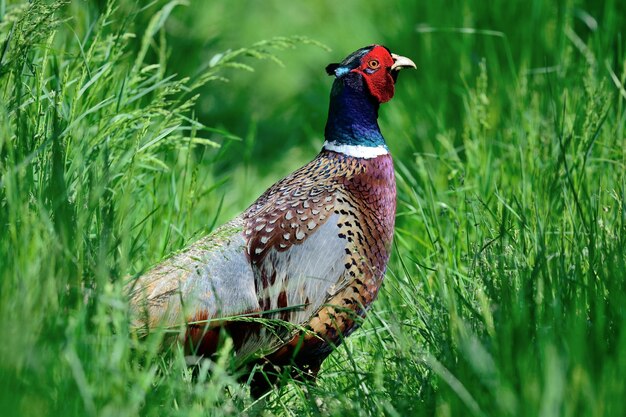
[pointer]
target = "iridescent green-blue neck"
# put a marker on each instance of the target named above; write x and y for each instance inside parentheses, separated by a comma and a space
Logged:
(353, 114)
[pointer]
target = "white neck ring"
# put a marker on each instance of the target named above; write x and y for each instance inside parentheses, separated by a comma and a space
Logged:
(357, 151)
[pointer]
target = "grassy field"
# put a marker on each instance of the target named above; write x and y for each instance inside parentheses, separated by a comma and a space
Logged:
(129, 128)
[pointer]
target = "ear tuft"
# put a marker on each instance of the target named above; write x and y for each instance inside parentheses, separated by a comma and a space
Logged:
(330, 68)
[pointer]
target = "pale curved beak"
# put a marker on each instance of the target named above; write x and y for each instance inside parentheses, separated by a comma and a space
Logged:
(400, 62)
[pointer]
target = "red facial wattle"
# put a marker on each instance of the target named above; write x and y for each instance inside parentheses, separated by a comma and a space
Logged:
(375, 69)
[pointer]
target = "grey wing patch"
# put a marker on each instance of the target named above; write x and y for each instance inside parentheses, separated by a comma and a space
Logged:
(300, 279)
(213, 277)
(297, 282)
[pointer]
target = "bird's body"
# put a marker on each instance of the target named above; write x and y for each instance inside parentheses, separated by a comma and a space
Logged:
(309, 253)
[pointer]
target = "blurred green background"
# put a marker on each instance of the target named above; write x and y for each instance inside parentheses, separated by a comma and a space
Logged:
(130, 128)
(280, 110)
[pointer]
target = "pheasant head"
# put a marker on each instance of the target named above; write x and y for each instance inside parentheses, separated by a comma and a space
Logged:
(376, 66)
(364, 80)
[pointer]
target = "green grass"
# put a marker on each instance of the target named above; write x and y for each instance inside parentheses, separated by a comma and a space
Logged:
(120, 142)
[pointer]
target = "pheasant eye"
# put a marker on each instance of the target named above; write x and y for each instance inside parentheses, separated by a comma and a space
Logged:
(373, 64)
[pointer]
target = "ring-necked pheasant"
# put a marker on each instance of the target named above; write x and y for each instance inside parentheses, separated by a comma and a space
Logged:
(310, 252)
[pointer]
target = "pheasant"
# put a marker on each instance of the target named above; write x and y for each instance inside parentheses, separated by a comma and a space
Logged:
(309, 254)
